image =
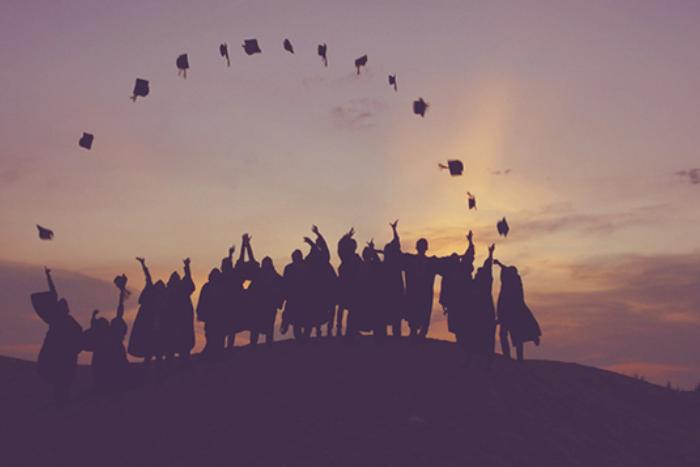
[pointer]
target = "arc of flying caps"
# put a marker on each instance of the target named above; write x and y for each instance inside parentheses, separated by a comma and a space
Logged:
(44, 233)
(183, 64)
(420, 107)
(251, 47)
(471, 201)
(455, 167)
(360, 62)
(287, 44)
(392, 82)
(141, 89)
(223, 51)
(322, 52)
(86, 141)
(502, 227)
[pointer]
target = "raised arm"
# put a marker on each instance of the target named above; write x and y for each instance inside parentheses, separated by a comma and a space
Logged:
(187, 283)
(469, 254)
(251, 256)
(321, 244)
(120, 307)
(488, 262)
(146, 272)
(244, 243)
(52, 286)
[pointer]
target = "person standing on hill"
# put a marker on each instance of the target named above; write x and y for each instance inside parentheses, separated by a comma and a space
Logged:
(420, 271)
(514, 316)
(58, 357)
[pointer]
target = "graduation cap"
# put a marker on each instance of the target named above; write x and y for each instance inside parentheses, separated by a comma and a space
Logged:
(141, 89)
(322, 49)
(471, 201)
(288, 46)
(44, 233)
(86, 141)
(360, 62)
(392, 82)
(419, 107)
(223, 51)
(502, 227)
(455, 167)
(182, 64)
(251, 46)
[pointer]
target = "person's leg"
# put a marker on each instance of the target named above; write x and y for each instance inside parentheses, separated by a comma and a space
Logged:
(520, 351)
(503, 337)
(254, 335)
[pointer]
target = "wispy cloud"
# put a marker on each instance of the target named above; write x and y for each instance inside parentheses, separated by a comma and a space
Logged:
(356, 114)
(692, 175)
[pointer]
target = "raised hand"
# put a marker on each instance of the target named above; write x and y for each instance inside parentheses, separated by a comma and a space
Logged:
(351, 232)
(314, 229)
(491, 248)
(309, 241)
(394, 224)
(231, 249)
(95, 312)
(47, 270)
(470, 236)
(186, 261)
(141, 260)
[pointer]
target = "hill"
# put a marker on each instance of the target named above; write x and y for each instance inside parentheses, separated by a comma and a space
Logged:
(327, 402)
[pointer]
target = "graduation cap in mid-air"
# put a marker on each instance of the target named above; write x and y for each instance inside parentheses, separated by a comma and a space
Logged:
(287, 44)
(419, 107)
(251, 46)
(360, 62)
(502, 227)
(455, 167)
(183, 65)
(44, 233)
(392, 82)
(86, 140)
(322, 49)
(141, 89)
(223, 51)
(471, 200)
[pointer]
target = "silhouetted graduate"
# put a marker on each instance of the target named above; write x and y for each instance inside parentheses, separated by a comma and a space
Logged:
(58, 357)
(502, 227)
(419, 107)
(251, 47)
(267, 297)
(471, 201)
(144, 340)
(86, 141)
(141, 89)
(211, 309)
(322, 283)
(296, 291)
(183, 64)
(350, 282)
(360, 62)
(455, 167)
(44, 233)
(322, 51)
(392, 82)
(481, 323)
(287, 44)
(223, 51)
(514, 316)
(178, 315)
(457, 293)
(392, 296)
(420, 271)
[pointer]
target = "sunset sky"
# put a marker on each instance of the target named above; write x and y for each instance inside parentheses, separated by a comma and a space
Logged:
(593, 106)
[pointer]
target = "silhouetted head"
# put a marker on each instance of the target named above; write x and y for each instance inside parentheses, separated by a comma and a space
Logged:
(297, 256)
(63, 307)
(174, 279)
(422, 246)
(214, 275)
(101, 324)
(159, 286)
(226, 266)
(267, 264)
(367, 254)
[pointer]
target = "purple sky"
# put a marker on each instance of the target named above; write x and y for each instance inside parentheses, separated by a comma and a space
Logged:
(593, 105)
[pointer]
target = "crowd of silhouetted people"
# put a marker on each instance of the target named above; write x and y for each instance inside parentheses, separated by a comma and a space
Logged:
(373, 291)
